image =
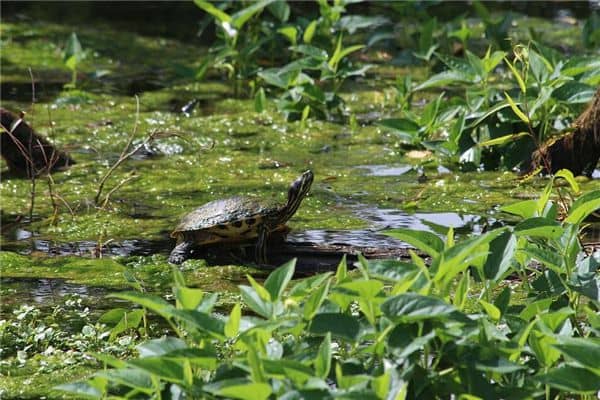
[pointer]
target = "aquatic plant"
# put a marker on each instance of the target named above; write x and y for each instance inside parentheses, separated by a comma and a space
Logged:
(393, 329)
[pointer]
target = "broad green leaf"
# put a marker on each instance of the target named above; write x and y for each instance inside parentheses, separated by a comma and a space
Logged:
(425, 241)
(73, 52)
(541, 344)
(445, 78)
(303, 287)
(232, 326)
(462, 290)
(458, 257)
(539, 66)
(363, 289)
(391, 270)
(279, 279)
(159, 347)
(309, 32)
(571, 379)
(568, 176)
(406, 129)
(315, 300)
(260, 101)
(551, 259)
(259, 289)
(162, 367)
(188, 298)
(280, 10)
(132, 377)
(502, 251)
(408, 307)
(290, 32)
(129, 320)
(251, 391)
(323, 360)
(342, 270)
(274, 78)
(203, 358)
(503, 300)
(255, 302)
(239, 388)
(151, 302)
(82, 389)
(498, 365)
(524, 209)
(341, 52)
(584, 206)
(203, 322)
(257, 372)
(516, 109)
(212, 10)
(404, 340)
(535, 308)
(240, 18)
(339, 325)
(555, 319)
(539, 227)
(491, 310)
(294, 370)
(586, 351)
(491, 61)
(502, 139)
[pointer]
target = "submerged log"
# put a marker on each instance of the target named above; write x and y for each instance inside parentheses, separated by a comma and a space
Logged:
(578, 151)
(25, 151)
(311, 257)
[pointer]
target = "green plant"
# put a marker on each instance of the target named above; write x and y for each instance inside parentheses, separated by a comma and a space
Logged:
(544, 96)
(72, 55)
(393, 329)
(241, 38)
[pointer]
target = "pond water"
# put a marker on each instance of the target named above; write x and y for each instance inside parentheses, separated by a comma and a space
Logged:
(209, 146)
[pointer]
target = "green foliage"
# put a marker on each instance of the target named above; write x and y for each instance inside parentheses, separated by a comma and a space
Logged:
(488, 121)
(394, 329)
(72, 55)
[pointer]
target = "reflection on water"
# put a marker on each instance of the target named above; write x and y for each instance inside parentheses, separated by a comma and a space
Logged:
(386, 170)
(358, 238)
(386, 218)
(48, 293)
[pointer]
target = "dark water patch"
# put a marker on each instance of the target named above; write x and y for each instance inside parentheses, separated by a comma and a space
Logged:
(22, 91)
(47, 293)
(132, 247)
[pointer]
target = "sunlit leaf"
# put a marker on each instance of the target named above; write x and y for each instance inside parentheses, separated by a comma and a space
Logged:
(414, 307)
(516, 109)
(584, 206)
(339, 325)
(278, 280)
(425, 241)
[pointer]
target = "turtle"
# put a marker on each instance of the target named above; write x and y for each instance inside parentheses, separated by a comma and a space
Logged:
(238, 219)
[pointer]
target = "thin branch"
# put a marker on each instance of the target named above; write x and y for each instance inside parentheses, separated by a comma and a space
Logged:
(124, 155)
(117, 187)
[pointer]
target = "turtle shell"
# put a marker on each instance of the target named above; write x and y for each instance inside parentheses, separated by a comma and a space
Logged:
(235, 218)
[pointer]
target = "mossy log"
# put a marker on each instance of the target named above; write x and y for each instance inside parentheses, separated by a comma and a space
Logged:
(578, 151)
(25, 151)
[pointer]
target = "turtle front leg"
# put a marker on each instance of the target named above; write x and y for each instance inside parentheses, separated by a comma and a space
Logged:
(181, 252)
(261, 245)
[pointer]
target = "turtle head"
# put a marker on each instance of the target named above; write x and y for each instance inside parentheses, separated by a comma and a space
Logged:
(296, 193)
